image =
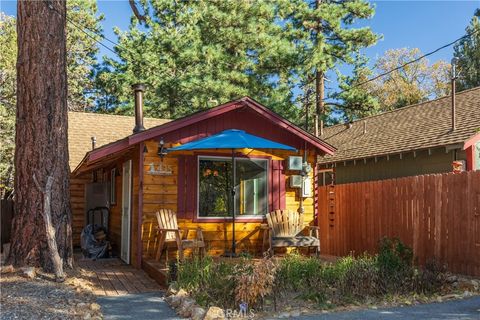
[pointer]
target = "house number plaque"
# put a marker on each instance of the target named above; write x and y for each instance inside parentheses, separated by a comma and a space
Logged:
(160, 169)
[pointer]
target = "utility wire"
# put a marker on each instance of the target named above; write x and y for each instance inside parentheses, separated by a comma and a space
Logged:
(342, 91)
(409, 62)
(82, 29)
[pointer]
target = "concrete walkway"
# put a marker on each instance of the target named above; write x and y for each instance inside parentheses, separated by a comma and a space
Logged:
(466, 309)
(141, 306)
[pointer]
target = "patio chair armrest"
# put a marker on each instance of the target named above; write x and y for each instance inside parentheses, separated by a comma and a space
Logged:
(168, 230)
(264, 226)
(313, 227)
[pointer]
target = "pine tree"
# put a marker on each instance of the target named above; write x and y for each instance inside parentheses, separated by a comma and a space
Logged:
(325, 37)
(81, 51)
(356, 99)
(8, 58)
(197, 54)
(468, 53)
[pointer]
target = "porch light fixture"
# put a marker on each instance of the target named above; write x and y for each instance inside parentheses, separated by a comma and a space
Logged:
(162, 151)
(145, 149)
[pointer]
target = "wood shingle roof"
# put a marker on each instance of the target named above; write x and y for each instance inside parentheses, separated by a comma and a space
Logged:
(106, 128)
(421, 126)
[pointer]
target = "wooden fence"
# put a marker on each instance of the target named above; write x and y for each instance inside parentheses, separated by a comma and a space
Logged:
(437, 215)
(6, 215)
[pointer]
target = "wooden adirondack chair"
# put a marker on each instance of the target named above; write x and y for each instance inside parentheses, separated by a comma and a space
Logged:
(170, 233)
(284, 230)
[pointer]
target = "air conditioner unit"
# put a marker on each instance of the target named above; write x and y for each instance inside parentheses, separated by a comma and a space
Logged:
(295, 163)
(296, 181)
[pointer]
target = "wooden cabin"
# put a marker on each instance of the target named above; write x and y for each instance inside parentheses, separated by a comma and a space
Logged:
(135, 176)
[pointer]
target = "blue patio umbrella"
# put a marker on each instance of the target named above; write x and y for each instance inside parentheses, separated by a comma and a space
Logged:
(232, 139)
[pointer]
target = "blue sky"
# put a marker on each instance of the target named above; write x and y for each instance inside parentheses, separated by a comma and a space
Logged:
(416, 24)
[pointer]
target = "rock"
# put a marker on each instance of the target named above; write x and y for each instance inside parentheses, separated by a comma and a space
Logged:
(95, 306)
(439, 299)
(214, 313)
(29, 272)
(295, 313)
(181, 293)
(174, 301)
(7, 269)
(198, 313)
(186, 306)
(452, 279)
(466, 285)
(467, 294)
(284, 315)
(475, 284)
(450, 296)
(172, 289)
(87, 316)
(81, 305)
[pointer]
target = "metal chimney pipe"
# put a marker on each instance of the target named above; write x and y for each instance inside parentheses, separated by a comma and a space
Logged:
(453, 93)
(94, 142)
(138, 89)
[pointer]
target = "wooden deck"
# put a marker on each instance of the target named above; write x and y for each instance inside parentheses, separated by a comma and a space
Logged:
(112, 277)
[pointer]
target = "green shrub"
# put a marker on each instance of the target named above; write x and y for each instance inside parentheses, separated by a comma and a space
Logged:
(209, 282)
(227, 283)
(296, 273)
(395, 264)
(431, 278)
(358, 278)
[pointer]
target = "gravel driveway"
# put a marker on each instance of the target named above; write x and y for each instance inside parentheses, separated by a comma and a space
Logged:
(465, 309)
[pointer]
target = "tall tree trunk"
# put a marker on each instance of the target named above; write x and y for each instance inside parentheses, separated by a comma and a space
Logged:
(319, 85)
(42, 186)
(319, 103)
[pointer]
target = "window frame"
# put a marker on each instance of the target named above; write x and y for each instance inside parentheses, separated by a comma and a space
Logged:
(237, 217)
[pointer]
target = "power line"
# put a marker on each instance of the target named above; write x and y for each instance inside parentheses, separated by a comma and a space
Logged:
(409, 62)
(82, 29)
(342, 91)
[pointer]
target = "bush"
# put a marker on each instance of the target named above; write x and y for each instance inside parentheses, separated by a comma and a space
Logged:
(227, 283)
(395, 264)
(296, 273)
(358, 278)
(210, 283)
(254, 281)
(431, 278)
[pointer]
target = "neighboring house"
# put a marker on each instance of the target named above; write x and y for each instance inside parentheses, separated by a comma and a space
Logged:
(134, 177)
(413, 140)
(105, 128)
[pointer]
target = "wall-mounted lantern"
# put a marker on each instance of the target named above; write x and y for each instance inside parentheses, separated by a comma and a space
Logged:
(162, 151)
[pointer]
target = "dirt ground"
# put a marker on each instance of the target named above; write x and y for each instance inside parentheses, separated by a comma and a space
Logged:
(43, 298)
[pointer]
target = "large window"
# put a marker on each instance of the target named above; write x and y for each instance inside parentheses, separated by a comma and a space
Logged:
(215, 187)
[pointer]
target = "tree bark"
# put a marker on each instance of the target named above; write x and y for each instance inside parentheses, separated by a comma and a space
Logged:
(41, 153)
(319, 86)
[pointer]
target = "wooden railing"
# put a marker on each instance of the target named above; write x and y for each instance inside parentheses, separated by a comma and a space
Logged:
(437, 215)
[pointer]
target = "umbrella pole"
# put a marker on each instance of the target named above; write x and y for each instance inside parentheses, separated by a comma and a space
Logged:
(233, 203)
